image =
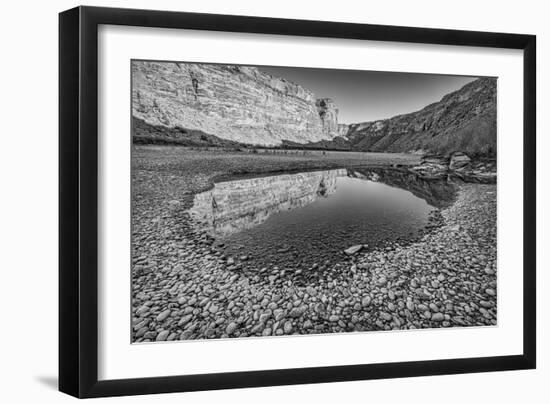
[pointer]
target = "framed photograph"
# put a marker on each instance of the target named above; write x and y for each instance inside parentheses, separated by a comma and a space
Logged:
(251, 201)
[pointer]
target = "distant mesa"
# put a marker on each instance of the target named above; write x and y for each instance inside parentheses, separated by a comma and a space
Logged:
(224, 105)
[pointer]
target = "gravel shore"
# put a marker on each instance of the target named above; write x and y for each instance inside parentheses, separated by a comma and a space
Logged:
(183, 290)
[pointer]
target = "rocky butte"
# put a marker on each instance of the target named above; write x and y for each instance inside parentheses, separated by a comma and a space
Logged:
(236, 103)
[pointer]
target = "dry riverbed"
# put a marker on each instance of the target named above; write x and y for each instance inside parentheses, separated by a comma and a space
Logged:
(182, 288)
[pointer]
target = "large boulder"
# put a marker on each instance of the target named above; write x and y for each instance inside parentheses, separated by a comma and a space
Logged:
(434, 165)
(457, 166)
(459, 160)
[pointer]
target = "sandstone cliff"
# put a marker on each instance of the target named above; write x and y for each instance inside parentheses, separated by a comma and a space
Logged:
(235, 103)
(464, 120)
(326, 108)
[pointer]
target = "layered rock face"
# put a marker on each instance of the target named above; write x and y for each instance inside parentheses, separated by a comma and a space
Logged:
(233, 206)
(236, 103)
(343, 129)
(464, 120)
(328, 113)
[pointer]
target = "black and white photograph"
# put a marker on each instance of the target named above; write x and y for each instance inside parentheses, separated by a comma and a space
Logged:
(280, 201)
(275, 202)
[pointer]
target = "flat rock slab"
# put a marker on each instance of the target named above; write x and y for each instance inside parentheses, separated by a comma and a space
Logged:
(354, 249)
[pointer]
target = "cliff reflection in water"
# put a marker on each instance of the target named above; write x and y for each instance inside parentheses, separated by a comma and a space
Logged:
(438, 192)
(306, 220)
(237, 205)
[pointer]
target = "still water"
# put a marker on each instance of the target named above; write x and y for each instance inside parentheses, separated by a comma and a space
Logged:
(305, 220)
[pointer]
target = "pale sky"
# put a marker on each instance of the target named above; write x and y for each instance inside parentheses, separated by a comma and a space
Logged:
(367, 95)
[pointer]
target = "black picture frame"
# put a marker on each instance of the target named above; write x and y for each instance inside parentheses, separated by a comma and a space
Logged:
(78, 201)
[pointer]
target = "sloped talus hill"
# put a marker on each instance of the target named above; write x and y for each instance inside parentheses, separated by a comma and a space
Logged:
(236, 103)
(464, 120)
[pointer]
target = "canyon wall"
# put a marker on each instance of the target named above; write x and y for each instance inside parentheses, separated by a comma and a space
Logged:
(226, 105)
(235, 103)
(242, 204)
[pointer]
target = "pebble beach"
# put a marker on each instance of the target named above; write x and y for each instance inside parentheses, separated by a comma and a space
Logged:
(183, 288)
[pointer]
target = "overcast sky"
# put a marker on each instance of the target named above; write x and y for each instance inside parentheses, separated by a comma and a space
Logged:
(368, 96)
